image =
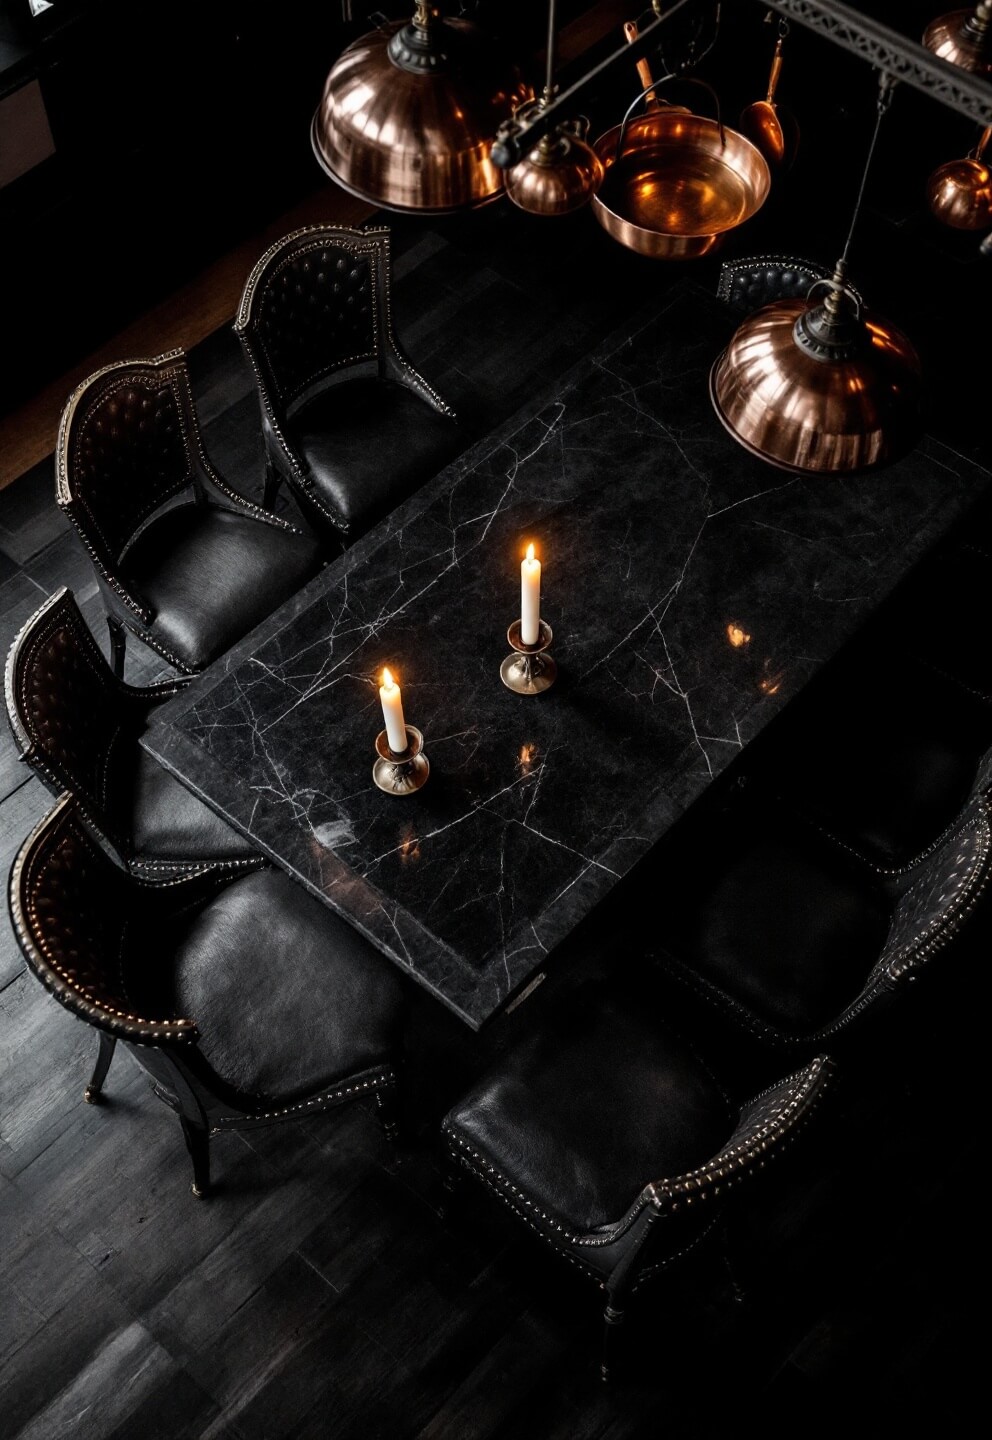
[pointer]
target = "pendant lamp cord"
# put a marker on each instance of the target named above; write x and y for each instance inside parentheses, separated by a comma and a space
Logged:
(549, 81)
(886, 86)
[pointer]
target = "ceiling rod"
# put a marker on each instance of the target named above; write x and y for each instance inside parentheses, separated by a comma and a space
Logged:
(904, 59)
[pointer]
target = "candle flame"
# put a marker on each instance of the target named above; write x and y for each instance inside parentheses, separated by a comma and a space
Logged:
(737, 635)
(530, 552)
(387, 677)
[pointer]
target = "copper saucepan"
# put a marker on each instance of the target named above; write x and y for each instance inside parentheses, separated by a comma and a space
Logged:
(675, 182)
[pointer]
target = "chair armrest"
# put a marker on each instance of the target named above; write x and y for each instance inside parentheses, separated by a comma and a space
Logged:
(400, 370)
(104, 566)
(212, 484)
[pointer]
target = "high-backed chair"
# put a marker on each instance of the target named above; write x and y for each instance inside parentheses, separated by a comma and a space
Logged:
(794, 941)
(348, 422)
(608, 1136)
(246, 999)
(189, 579)
(78, 726)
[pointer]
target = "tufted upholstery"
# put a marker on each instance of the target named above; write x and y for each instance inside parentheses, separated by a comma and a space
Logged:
(347, 421)
(128, 446)
(791, 940)
(79, 727)
(751, 281)
(244, 998)
(607, 1122)
(316, 313)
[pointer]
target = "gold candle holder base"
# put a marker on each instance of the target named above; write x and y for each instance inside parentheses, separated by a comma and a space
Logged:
(529, 671)
(401, 773)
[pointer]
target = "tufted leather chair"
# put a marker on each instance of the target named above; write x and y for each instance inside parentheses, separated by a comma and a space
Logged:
(750, 281)
(348, 422)
(792, 939)
(78, 725)
(606, 1133)
(245, 999)
(183, 561)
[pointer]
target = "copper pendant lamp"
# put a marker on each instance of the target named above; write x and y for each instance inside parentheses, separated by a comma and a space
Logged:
(562, 172)
(963, 37)
(409, 112)
(826, 387)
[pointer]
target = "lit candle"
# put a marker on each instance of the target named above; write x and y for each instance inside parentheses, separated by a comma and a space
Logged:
(392, 713)
(530, 598)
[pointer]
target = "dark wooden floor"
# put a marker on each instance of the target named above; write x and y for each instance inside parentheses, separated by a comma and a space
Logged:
(323, 1291)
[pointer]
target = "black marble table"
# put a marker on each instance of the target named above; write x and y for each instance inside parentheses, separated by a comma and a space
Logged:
(692, 590)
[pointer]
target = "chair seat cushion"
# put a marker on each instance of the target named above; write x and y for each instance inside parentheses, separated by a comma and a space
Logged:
(775, 921)
(368, 444)
(168, 822)
(595, 1106)
(210, 575)
(286, 996)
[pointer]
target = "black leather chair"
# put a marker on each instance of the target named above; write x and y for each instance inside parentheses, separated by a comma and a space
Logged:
(348, 422)
(189, 579)
(750, 281)
(796, 943)
(245, 999)
(78, 726)
(607, 1134)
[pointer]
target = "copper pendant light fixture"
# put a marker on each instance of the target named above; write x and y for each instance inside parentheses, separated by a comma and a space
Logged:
(963, 37)
(959, 192)
(825, 387)
(409, 112)
(562, 172)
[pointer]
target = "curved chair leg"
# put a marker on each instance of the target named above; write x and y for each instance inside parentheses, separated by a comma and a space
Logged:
(270, 487)
(118, 641)
(388, 1112)
(94, 1090)
(198, 1144)
(613, 1318)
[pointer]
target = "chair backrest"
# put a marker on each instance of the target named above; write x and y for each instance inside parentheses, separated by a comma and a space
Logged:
(316, 302)
(68, 713)
(128, 443)
(74, 912)
(750, 281)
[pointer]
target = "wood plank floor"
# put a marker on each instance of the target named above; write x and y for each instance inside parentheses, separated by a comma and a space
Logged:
(325, 1290)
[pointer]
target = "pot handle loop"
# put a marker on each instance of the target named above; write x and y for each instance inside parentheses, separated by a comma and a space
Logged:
(656, 85)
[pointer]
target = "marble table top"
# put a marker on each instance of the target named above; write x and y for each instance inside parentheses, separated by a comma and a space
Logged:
(663, 543)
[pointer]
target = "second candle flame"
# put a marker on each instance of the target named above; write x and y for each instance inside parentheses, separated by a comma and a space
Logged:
(387, 677)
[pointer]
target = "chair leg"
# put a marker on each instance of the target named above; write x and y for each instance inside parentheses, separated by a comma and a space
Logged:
(613, 1318)
(94, 1090)
(270, 486)
(388, 1113)
(118, 641)
(198, 1144)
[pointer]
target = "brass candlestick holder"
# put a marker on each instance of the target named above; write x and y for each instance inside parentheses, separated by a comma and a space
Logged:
(529, 670)
(401, 772)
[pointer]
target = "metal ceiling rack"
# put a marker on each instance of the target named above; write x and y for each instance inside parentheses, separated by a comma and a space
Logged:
(885, 49)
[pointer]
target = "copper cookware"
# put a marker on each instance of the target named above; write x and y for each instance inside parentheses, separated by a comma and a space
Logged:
(959, 192)
(675, 183)
(409, 112)
(963, 37)
(772, 129)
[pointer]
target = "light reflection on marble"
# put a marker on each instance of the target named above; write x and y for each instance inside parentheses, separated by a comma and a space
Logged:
(692, 590)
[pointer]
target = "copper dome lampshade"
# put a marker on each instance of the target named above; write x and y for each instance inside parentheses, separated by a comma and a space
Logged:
(821, 384)
(409, 111)
(963, 37)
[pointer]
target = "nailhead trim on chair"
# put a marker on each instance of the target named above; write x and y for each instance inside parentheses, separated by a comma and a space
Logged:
(381, 1081)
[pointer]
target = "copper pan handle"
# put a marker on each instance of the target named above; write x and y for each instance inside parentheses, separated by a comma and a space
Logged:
(643, 67)
(979, 149)
(687, 80)
(774, 73)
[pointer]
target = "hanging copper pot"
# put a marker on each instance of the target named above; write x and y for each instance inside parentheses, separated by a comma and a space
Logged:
(959, 192)
(677, 183)
(963, 37)
(409, 112)
(824, 387)
(560, 174)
